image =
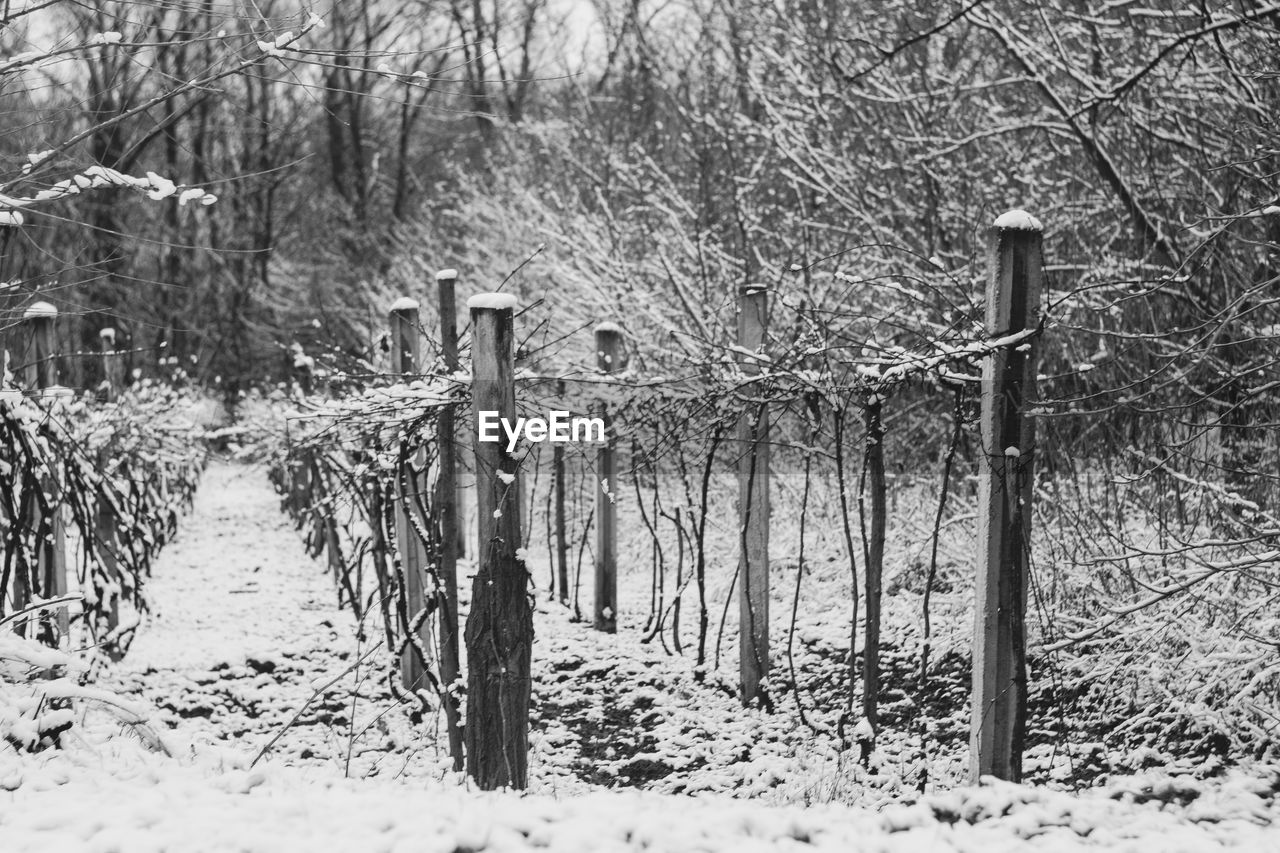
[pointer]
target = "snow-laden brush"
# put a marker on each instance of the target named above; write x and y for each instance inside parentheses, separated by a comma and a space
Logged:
(341, 474)
(89, 494)
(43, 693)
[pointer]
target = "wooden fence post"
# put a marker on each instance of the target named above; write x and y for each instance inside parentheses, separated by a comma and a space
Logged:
(608, 348)
(753, 505)
(450, 531)
(499, 630)
(42, 374)
(41, 369)
(106, 523)
(561, 537)
(107, 520)
(873, 537)
(410, 487)
(112, 366)
(1005, 495)
(447, 279)
(299, 487)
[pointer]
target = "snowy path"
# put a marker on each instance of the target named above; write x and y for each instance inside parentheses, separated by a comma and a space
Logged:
(236, 565)
(242, 623)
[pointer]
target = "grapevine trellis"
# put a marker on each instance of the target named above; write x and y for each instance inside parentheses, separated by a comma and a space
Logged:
(808, 388)
(370, 463)
(90, 490)
(362, 474)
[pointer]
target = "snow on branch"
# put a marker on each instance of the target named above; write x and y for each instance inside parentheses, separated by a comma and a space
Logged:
(95, 177)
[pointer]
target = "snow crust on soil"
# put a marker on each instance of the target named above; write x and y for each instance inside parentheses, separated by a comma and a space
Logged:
(242, 623)
(111, 796)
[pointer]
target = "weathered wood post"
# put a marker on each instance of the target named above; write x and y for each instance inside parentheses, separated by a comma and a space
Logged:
(562, 539)
(411, 486)
(106, 522)
(873, 461)
(41, 374)
(296, 500)
(608, 347)
(41, 365)
(753, 502)
(447, 283)
(112, 365)
(303, 486)
(1005, 495)
(499, 631)
(450, 531)
(10, 222)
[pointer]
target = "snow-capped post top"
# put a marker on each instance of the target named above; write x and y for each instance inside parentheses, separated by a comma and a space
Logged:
(108, 334)
(1018, 220)
(39, 309)
(447, 275)
(608, 327)
(404, 303)
(751, 289)
(492, 301)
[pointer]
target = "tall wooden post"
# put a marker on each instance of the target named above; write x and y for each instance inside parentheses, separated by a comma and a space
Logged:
(413, 552)
(562, 539)
(42, 374)
(873, 459)
(753, 504)
(1005, 495)
(499, 630)
(9, 222)
(447, 280)
(112, 366)
(446, 500)
(299, 481)
(106, 523)
(608, 347)
(107, 520)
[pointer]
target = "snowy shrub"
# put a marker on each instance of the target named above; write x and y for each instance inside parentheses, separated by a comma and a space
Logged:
(28, 719)
(42, 694)
(113, 479)
(340, 464)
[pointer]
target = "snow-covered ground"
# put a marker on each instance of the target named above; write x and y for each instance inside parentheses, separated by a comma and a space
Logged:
(112, 799)
(245, 628)
(243, 622)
